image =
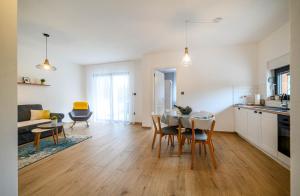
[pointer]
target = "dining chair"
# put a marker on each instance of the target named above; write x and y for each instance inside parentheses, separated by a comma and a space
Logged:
(201, 133)
(169, 131)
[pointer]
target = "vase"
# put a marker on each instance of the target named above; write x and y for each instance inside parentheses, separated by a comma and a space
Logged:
(54, 121)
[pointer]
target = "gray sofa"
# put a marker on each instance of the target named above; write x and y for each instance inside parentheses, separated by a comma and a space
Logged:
(25, 125)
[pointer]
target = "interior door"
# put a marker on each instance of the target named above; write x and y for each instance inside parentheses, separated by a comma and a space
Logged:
(159, 92)
(168, 95)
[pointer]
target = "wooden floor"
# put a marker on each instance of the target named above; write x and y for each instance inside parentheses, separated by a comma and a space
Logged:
(118, 160)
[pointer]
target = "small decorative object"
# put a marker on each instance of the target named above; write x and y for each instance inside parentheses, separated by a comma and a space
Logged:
(26, 80)
(185, 111)
(54, 120)
(43, 81)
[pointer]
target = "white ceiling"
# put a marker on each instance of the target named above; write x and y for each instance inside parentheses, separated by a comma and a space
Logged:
(98, 31)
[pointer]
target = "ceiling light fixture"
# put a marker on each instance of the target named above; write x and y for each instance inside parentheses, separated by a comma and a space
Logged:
(46, 65)
(186, 60)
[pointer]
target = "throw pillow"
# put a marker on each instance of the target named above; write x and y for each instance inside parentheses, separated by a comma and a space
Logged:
(39, 114)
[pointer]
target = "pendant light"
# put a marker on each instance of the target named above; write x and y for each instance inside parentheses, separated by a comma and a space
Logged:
(186, 60)
(46, 65)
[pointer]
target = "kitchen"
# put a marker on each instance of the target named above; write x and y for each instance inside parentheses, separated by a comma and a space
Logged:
(265, 123)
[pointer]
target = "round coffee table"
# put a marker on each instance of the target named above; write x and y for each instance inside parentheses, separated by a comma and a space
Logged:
(37, 136)
(54, 126)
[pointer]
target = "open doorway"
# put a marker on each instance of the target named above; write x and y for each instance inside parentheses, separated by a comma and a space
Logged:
(164, 90)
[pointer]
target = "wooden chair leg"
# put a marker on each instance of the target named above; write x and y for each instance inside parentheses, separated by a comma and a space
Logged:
(212, 155)
(179, 145)
(73, 124)
(204, 149)
(168, 140)
(154, 138)
(172, 140)
(193, 154)
(213, 146)
(200, 148)
(159, 147)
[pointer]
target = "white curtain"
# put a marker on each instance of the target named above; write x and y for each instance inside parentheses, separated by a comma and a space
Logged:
(111, 99)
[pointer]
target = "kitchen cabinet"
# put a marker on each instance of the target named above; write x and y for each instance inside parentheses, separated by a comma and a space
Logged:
(241, 121)
(254, 127)
(269, 133)
(260, 128)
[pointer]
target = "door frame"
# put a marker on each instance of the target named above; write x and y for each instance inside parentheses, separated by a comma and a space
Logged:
(162, 69)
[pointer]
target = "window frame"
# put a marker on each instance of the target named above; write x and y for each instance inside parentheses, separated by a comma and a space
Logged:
(278, 72)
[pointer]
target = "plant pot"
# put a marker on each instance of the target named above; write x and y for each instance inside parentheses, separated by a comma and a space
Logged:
(54, 121)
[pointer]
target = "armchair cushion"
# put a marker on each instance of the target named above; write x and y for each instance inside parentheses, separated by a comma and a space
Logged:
(80, 115)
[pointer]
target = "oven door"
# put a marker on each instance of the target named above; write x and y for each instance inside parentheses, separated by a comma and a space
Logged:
(284, 138)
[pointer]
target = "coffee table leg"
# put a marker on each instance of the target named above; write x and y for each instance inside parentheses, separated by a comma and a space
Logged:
(37, 141)
(63, 130)
(53, 135)
(57, 135)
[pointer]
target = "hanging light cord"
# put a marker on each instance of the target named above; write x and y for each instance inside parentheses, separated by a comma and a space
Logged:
(46, 49)
(46, 36)
(186, 34)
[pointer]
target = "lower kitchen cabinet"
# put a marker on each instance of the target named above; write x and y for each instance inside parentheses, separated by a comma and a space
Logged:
(260, 129)
(269, 133)
(241, 121)
(254, 126)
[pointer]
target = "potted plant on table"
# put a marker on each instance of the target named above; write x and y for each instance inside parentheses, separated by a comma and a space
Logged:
(43, 81)
(54, 119)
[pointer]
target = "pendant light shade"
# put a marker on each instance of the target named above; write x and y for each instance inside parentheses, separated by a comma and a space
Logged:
(46, 65)
(186, 60)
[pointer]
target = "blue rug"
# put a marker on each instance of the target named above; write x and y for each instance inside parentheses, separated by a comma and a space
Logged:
(27, 154)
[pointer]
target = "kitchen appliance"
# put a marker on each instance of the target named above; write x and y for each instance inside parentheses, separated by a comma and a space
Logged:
(257, 99)
(284, 134)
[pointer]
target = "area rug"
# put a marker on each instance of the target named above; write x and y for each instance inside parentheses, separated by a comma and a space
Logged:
(27, 154)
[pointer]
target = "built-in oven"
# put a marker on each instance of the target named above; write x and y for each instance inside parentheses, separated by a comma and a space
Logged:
(284, 134)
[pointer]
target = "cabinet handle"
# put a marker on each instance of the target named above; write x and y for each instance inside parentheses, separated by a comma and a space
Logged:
(255, 112)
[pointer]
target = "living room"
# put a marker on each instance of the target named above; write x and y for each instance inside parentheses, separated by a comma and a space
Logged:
(83, 90)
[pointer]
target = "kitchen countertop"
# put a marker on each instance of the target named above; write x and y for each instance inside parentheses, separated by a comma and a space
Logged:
(274, 110)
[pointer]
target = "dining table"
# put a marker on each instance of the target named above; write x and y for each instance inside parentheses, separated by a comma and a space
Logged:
(183, 121)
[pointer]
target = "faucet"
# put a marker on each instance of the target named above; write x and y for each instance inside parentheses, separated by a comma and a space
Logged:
(284, 101)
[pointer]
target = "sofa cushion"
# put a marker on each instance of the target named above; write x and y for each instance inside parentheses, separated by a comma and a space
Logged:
(24, 111)
(32, 122)
(39, 114)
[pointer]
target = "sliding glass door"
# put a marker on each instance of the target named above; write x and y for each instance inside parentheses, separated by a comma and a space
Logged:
(112, 97)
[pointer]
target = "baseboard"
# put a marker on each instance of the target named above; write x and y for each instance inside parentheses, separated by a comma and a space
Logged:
(137, 123)
(220, 131)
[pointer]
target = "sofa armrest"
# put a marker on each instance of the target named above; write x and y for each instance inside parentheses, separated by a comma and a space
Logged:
(59, 116)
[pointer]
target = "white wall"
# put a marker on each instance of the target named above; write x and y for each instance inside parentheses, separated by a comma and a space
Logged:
(209, 83)
(295, 97)
(8, 98)
(134, 69)
(272, 47)
(67, 82)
